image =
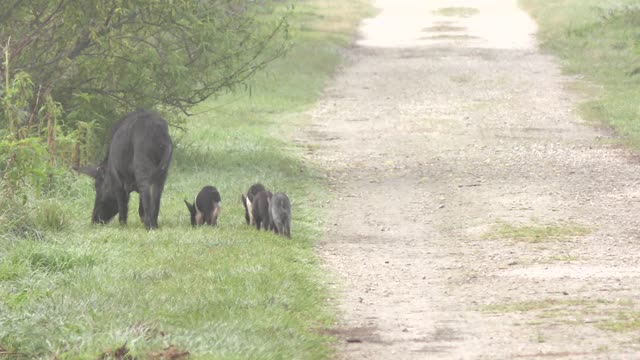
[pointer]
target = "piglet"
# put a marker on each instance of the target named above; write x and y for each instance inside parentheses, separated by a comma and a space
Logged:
(247, 201)
(206, 207)
(260, 210)
(280, 214)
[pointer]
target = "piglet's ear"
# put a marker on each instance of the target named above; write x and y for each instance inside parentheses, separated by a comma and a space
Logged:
(191, 207)
(88, 170)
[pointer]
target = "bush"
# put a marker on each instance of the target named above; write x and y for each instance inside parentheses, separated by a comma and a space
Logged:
(101, 59)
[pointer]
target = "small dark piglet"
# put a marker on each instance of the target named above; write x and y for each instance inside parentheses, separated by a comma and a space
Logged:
(260, 210)
(280, 214)
(206, 207)
(247, 201)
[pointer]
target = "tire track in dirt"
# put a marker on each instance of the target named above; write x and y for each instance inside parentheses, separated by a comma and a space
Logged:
(431, 143)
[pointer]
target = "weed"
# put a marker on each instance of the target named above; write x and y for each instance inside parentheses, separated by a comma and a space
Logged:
(536, 233)
(623, 321)
(51, 216)
(557, 258)
(616, 316)
(457, 11)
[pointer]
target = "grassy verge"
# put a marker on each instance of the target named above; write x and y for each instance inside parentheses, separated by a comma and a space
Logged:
(599, 40)
(69, 290)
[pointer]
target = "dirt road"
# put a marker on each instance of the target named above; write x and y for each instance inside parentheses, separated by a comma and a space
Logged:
(476, 216)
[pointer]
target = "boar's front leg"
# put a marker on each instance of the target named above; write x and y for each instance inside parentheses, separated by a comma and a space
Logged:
(141, 210)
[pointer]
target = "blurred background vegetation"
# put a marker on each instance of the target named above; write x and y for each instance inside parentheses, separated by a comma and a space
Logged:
(598, 42)
(70, 69)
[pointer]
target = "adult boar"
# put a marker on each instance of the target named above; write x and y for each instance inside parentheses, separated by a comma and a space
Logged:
(138, 160)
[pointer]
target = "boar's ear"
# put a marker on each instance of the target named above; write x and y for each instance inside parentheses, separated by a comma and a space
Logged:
(88, 170)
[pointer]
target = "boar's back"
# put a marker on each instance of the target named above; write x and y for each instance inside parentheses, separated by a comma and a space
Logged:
(140, 150)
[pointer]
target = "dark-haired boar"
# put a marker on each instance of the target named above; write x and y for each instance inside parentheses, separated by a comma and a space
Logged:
(280, 214)
(247, 201)
(260, 210)
(206, 207)
(138, 160)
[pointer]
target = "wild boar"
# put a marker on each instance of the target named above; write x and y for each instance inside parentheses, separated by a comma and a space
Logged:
(138, 159)
(280, 214)
(260, 210)
(248, 199)
(206, 207)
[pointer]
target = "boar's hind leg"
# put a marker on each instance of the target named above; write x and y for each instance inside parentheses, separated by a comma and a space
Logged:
(123, 206)
(150, 200)
(287, 230)
(145, 201)
(156, 194)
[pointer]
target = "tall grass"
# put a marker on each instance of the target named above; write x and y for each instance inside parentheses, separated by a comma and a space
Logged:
(598, 40)
(70, 290)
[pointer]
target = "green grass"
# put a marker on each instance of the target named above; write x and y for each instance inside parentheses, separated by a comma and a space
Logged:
(444, 28)
(457, 11)
(599, 41)
(608, 315)
(557, 258)
(545, 305)
(536, 233)
(70, 290)
(624, 321)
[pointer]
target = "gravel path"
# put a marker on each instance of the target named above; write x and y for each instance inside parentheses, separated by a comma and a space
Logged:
(446, 128)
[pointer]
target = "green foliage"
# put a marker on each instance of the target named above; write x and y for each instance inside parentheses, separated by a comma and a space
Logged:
(104, 57)
(35, 147)
(598, 40)
(70, 69)
(23, 160)
(16, 97)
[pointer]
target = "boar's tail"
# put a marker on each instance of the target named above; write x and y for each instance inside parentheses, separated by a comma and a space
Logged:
(166, 157)
(163, 166)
